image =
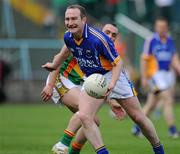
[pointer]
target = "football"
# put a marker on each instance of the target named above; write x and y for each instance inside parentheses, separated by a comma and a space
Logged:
(96, 85)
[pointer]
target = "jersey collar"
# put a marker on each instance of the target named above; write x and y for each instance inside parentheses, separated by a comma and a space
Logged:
(157, 37)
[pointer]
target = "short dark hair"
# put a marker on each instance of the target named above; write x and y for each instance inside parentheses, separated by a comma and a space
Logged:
(81, 8)
(161, 18)
(115, 25)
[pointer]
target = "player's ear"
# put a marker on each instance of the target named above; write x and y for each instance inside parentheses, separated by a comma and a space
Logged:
(84, 19)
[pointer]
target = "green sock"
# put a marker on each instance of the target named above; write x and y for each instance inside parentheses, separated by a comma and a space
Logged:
(67, 138)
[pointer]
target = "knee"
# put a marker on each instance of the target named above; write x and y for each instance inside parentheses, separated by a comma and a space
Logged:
(138, 118)
(85, 119)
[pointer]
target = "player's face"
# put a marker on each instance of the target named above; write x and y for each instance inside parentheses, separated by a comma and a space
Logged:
(73, 21)
(161, 28)
(111, 31)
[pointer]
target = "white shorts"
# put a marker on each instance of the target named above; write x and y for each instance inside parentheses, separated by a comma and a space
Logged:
(62, 86)
(123, 88)
(162, 80)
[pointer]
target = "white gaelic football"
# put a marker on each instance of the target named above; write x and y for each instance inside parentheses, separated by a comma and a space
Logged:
(95, 85)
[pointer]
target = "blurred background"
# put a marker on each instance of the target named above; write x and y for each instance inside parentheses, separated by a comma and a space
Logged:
(31, 33)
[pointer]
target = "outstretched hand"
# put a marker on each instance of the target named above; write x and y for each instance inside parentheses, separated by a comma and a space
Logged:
(46, 93)
(48, 66)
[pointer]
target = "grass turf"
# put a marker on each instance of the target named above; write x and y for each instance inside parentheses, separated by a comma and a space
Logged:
(33, 129)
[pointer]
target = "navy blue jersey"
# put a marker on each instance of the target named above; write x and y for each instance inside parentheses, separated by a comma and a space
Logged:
(95, 52)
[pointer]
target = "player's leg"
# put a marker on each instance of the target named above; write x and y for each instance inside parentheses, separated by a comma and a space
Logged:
(70, 99)
(158, 110)
(147, 109)
(69, 133)
(150, 104)
(68, 94)
(165, 80)
(166, 96)
(63, 145)
(168, 106)
(88, 107)
(126, 95)
(133, 109)
(80, 140)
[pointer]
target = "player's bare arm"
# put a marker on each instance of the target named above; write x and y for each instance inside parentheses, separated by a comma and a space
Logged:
(176, 63)
(58, 59)
(48, 89)
(115, 74)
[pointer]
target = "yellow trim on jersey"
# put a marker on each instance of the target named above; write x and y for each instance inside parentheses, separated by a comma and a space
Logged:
(78, 42)
(151, 65)
(116, 60)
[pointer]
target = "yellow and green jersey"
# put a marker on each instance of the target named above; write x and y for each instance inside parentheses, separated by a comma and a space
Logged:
(70, 69)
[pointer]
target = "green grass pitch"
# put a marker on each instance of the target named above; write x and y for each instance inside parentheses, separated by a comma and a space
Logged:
(33, 129)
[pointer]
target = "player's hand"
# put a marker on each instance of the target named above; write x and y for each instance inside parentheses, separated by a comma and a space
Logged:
(46, 93)
(49, 66)
(119, 112)
(109, 89)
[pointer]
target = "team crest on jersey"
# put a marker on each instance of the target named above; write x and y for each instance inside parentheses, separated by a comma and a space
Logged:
(79, 50)
(88, 54)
